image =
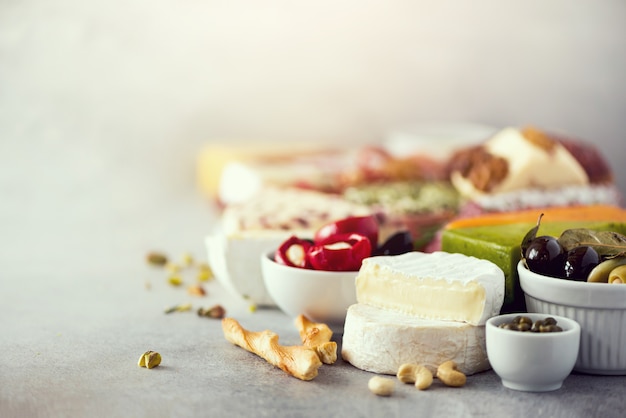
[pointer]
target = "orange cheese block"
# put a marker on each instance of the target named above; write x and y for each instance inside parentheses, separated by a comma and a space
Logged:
(556, 213)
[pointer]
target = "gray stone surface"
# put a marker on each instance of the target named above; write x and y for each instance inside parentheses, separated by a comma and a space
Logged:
(103, 107)
(76, 313)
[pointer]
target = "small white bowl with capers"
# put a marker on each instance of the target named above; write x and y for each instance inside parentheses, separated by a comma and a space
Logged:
(532, 352)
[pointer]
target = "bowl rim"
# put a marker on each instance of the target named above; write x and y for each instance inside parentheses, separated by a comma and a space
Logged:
(571, 293)
(571, 325)
(266, 258)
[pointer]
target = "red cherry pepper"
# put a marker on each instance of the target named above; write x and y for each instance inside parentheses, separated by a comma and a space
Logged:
(345, 252)
(293, 252)
(363, 225)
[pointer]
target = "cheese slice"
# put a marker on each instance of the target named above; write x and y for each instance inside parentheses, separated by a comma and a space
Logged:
(273, 209)
(440, 286)
(380, 341)
(527, 163)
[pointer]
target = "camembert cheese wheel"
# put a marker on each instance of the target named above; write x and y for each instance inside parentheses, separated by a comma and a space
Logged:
(380, 341)
(439, 286)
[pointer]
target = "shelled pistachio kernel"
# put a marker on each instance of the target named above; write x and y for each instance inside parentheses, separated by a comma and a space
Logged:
(156, 259)
(196, 290)
(204, 273)
(179, 308)
(149, 359)
(172, 268)
(175, 280)
(187, 259)
(217, 312)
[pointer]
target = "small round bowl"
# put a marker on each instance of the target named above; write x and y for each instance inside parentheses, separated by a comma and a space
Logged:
(322, 296)
(531, 361)
(599, 308)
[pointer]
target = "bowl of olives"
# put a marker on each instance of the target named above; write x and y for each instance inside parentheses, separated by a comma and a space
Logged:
(599, 308)
(532, 352)
(581, 275)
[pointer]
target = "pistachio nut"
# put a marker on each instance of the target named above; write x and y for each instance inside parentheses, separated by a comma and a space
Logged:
(156, 259)
(149, 359)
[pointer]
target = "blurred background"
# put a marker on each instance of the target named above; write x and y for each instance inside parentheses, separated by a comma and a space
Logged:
(104, 105)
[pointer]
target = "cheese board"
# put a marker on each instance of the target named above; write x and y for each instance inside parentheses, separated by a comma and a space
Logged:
(427, 305)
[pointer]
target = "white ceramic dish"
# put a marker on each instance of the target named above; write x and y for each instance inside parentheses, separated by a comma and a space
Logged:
(235, 264)
(530, 361)
(599, 308)
(322, 296)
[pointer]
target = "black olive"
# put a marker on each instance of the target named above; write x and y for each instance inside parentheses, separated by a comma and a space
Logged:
(579, 262)
(398, 243)
(545, 255)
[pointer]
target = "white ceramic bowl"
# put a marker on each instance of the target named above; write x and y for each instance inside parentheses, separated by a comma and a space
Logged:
(599, 308)
(322, 296)
(531, 361)
(235, 263)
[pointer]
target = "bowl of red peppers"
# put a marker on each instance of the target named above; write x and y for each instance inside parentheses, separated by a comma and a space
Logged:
(315, 276)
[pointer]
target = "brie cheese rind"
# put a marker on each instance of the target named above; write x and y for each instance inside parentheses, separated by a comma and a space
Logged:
(439, 286)
(380, 341)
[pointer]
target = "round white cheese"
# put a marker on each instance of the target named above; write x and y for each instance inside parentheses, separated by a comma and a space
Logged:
(439, 286)
(380, 341)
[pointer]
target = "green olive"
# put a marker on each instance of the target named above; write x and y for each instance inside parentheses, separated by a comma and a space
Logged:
(600, 273)
(618, 275)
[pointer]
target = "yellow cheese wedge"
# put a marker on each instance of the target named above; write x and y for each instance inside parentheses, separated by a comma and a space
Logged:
(217, 155)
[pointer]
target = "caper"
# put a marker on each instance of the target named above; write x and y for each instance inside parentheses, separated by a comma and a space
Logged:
(550, 328)
(525, 324)
(549, 321)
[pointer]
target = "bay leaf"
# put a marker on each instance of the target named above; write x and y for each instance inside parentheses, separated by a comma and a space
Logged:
(530, 235)
(606, 243)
